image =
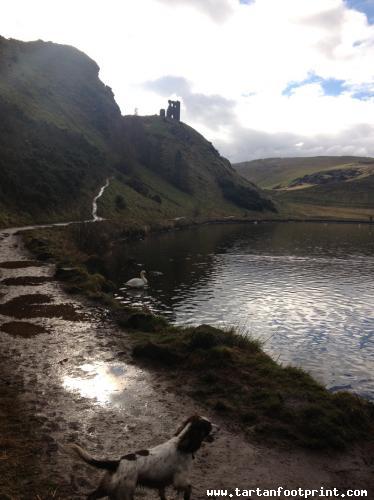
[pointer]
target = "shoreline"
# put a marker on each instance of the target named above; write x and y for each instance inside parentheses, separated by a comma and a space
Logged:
(187, 221)
(245, 452)
(157, 342)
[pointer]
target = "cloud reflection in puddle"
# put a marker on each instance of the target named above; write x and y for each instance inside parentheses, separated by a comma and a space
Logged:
(107, 383)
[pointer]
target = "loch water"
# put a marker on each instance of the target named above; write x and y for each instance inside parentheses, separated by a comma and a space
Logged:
(305, 289)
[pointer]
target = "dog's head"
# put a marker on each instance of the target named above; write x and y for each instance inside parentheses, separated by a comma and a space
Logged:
(193, 432)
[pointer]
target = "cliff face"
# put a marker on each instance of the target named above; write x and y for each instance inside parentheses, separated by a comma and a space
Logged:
(59, 85)
(57, 128)
(62, 133)
(184, 159)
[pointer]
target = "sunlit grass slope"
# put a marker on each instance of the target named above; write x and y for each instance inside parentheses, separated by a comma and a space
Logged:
(340, 187)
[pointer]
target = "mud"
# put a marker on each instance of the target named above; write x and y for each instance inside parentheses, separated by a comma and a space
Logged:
(26, 281)
(20, 264)
(36, 306)
(22, 329)
(78, 383)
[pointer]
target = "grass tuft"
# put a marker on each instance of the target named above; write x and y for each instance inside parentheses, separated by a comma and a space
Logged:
(233, 375)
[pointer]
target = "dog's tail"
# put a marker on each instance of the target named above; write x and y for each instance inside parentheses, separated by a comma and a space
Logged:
(110, 465)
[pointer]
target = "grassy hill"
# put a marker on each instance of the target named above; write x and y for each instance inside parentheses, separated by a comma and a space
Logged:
(172, 171)
(62, 134)
(56, 131)
(271, 172)
(322, 186)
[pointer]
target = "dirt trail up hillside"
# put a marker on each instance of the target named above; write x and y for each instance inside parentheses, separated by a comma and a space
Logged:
(66, 375)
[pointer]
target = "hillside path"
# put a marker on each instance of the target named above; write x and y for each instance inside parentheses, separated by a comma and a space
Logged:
(66, 375)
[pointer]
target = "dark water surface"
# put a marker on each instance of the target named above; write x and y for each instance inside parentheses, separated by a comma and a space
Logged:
(307, 290)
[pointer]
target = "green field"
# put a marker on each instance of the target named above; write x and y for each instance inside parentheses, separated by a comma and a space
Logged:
(322, 186)
(271, 172)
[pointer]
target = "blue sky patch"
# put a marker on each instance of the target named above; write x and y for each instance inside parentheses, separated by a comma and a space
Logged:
(363, 95)
(330, 86)
(365, 6)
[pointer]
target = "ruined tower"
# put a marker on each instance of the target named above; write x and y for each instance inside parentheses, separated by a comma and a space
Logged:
(174, 110)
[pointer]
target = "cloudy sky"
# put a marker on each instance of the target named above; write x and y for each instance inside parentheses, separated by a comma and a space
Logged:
(259, 78)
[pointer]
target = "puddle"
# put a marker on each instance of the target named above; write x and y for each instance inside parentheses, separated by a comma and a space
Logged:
(22, 329)
(19, 264)
(107, 383)
(26, 280)
(37, 306)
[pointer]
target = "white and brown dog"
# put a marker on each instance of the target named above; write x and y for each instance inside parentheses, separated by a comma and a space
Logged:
(164, 465)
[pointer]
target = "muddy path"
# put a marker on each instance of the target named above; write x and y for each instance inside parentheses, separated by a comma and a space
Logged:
(66, 375)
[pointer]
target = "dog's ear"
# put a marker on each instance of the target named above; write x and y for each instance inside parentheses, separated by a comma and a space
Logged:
(197, 431)
(184, 424)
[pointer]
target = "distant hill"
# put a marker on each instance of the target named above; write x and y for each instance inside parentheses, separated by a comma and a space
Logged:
(269, 173)
(340, 186)
(62, 134)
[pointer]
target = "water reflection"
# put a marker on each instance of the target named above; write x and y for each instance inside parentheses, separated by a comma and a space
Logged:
(105, 382)
(307, 289)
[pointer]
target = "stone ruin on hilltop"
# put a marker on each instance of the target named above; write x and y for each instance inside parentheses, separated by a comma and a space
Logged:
(173, 112)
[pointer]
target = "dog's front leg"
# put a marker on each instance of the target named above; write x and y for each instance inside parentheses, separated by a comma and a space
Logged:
(187, 492)
(99, 493)
(102, 490)
(122, 494)
(161, 492)
(119, 495)
(124, 489)
(182, 484)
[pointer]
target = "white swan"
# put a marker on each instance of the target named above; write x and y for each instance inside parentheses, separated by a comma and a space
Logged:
(138, 282)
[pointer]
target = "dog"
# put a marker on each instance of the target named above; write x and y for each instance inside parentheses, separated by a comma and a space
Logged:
(164, 465)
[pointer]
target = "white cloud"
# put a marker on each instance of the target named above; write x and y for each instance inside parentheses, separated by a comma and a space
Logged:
(213, 111)
(252, 144)
(229, 63)
(218, 10)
